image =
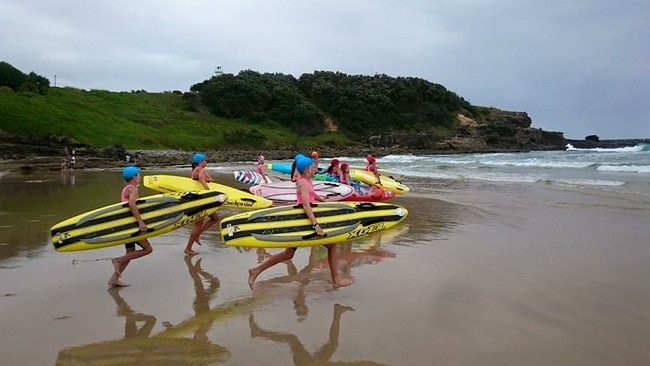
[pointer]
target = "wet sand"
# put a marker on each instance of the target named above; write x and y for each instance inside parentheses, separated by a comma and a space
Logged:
(477, 275)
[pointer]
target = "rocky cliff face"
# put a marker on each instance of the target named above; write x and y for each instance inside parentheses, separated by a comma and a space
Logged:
(495, 132)
(506, 132)
(606, 144)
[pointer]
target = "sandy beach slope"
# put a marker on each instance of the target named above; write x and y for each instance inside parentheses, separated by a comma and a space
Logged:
(478, 274)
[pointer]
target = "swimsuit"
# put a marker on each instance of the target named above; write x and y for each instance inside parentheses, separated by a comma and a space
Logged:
(123, 199)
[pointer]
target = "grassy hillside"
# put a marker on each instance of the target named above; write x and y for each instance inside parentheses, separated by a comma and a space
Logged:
(136, 121)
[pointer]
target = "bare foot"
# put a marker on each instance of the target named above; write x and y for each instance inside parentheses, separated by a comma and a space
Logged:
(252, 276)
(342, 308)
(190, 252)
(342, 283)
(117, 283)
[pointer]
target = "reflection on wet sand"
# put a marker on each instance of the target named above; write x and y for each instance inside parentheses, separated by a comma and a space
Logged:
(300, 354)
(315, 274)
(203, 295)
(139, 348)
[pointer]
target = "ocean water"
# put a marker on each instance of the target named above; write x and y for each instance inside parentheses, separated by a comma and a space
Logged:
(624, 170)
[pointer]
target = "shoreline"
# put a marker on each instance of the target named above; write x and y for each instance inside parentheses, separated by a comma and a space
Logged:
(90, 159)
(50, 158)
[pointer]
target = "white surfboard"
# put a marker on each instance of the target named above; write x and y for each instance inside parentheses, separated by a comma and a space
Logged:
(251, 177)
(285, 192)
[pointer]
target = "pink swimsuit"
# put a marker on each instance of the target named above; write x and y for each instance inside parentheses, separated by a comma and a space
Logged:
(312, 195)
(126, 199)
(259, 169)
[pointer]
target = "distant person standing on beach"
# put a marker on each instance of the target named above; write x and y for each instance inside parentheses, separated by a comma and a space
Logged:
(314, 158)
(334, 171)
(372, 167)
(344, 174)
(129, 194)
(305, 196)
(259, 168)
(73, 161)
(199, 173)
(66, 159)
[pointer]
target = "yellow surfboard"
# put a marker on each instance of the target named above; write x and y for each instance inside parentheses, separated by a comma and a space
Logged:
(235, 198)
(115, 224)
(287, 227)
(386, 181)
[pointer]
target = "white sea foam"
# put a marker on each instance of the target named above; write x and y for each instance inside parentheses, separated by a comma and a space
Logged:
(614, 169)
(400, 158)
(591, 182)
(540, 163)
(626, 149)
(625, 168)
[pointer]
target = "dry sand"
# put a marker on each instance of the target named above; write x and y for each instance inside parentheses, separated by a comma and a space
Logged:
(476, 275)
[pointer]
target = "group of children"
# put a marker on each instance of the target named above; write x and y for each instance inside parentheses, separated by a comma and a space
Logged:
(69, 160)
(304, 168)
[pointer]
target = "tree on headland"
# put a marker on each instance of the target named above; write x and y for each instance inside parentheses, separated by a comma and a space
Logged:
(357, 104)
(18, 81)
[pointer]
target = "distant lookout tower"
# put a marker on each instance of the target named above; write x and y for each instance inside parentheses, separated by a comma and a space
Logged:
(218, 71)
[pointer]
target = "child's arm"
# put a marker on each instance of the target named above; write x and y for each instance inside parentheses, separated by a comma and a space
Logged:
(133, 197)
(204, 178)
(303, 191)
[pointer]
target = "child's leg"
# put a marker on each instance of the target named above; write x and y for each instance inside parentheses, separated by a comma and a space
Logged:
(120, 263)
(214, 218)
(194, 237)
(334, 271)
(270, 262)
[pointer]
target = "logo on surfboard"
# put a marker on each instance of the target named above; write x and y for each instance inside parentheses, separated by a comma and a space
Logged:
(366, 230)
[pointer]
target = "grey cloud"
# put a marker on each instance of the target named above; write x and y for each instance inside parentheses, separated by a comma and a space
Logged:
(578, 67)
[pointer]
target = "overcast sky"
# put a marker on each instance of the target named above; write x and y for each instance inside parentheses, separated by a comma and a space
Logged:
(577, 66)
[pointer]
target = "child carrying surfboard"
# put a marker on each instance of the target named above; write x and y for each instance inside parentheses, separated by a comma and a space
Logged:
(372, 167)
(129, 194)
(305, 197)
(201, 175)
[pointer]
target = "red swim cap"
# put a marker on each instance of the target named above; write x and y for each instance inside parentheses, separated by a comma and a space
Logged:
(344, 167)
(334, 162)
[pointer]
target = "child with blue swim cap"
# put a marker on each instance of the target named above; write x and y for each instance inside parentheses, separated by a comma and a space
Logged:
(200, 174)
(131, 175)
(305, 196)
(294, 173)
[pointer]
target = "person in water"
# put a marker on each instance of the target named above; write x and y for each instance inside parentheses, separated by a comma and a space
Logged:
(129, 194)
(372, 167)
(259, 168)
(200, 174)
(305, 196)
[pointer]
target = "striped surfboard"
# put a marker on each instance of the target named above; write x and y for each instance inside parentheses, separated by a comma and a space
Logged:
(115, 224)
(288, 226)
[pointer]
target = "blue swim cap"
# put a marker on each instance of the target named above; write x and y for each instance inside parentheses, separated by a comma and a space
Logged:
(298, 156)
(197, 158)
(130, 172)
(303, 162)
